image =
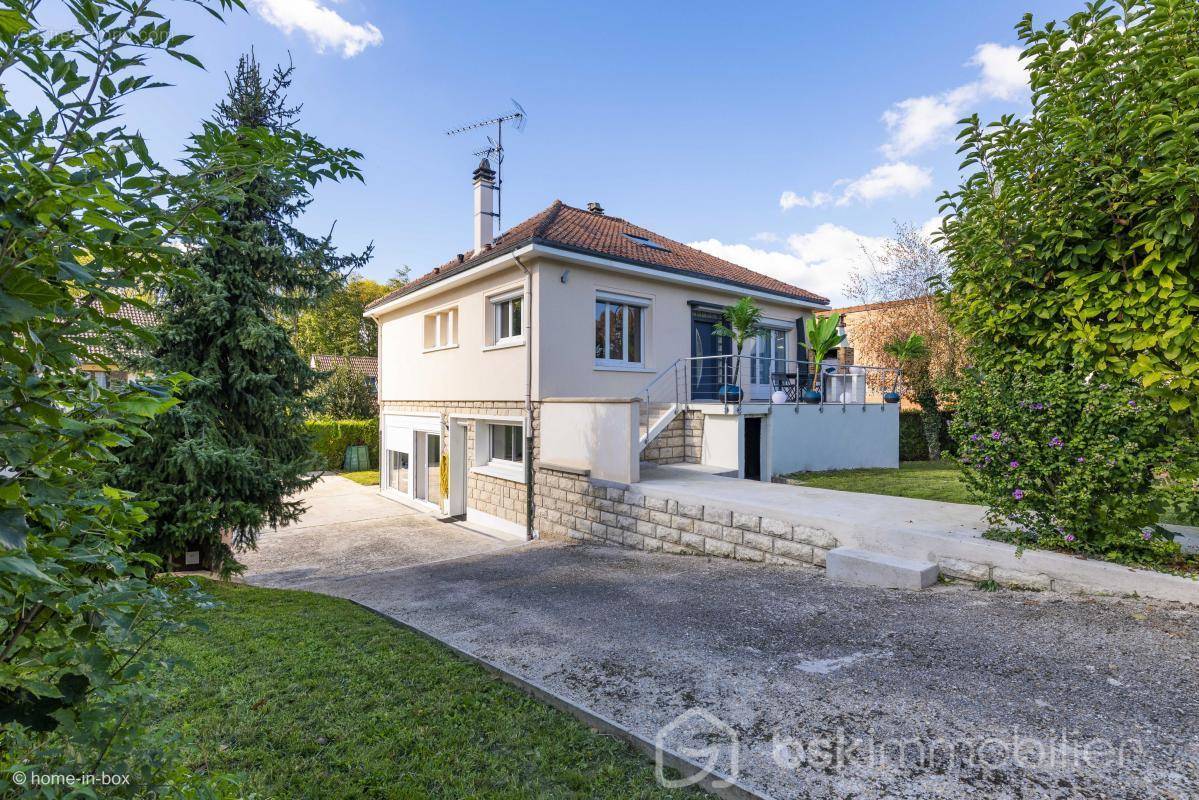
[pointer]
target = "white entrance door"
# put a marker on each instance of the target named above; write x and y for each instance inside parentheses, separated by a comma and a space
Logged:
(427, 464)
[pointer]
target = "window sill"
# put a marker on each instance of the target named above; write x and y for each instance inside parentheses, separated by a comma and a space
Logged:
(621, 368)
(504, 344)
(514, 473)
(439, 349)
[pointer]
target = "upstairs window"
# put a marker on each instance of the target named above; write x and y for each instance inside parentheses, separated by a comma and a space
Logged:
(441, 329)
(506, 318)
(620, 331)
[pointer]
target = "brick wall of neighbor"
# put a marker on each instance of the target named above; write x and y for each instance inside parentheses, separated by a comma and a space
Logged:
(496, 496)
(680, 442)
(571, 506)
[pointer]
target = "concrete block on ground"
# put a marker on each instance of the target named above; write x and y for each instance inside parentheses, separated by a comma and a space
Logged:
(867, 568)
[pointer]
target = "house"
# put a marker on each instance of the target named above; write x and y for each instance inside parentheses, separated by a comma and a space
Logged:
(366, 367)
(580, 344)
(111, 368)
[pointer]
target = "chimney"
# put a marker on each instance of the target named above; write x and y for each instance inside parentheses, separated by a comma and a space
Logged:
(595, 208)
(484, 205)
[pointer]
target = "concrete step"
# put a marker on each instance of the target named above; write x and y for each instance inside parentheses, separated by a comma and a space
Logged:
(867, 568)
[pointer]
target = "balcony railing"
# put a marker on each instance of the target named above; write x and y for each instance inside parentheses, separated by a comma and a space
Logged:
(736, 380)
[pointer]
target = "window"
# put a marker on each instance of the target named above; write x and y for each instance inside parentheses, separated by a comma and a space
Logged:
(397, 475)
(507, 443)
(619, 331)
(506, 318)
(641, 240)
(441, 329)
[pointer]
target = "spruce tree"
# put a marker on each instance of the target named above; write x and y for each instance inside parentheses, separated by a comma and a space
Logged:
(228, 461)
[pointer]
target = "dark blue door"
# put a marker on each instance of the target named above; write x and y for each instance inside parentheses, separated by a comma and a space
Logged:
(708, 374)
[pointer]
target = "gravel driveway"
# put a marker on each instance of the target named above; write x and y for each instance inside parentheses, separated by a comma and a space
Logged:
(830, 691)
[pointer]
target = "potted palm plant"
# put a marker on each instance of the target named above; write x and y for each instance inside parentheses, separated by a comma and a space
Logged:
(824, 336)
(904, 351)
(740, 324)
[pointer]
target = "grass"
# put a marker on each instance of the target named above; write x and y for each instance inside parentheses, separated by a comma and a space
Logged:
(923, 480)
(308, 696)
(367, 477)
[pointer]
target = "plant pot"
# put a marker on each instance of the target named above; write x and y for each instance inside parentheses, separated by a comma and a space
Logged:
(729, 393)
(891, 397)
(778, 398)
(811, 396)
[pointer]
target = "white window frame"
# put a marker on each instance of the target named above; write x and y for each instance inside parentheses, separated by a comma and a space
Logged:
(450, 327)
(645, 304)
(498, 467)
(495, 307)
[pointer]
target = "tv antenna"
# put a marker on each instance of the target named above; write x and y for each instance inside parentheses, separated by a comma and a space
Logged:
(495, 149)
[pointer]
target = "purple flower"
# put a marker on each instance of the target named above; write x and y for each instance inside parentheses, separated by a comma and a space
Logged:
(996, 435)
(1069, 537)
(1056, 441)
(1132, 403)
(1018, 494)
(1081, 460)
(1038, 406)
(987, 460)
(1146, 534)
(1014, 464)
(974, 437)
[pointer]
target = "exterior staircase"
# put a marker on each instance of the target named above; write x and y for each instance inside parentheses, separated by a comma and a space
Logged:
(654, 418)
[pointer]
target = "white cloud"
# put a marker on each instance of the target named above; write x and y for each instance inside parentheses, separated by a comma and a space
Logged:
(819, 261)
(765, 236)
(931, 227)
(324, 27)
(886, 180)
(917, 122)
(790, 200)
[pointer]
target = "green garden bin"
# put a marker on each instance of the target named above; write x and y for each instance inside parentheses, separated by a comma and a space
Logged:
(357, 458)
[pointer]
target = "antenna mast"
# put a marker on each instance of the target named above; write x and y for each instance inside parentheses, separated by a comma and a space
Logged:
(495, 147)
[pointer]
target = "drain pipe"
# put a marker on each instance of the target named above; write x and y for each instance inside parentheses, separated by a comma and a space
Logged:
(530, 533)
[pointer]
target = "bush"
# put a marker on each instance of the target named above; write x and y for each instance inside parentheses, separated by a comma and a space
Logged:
(333, 436)
(912, 444)
(1067, 463)
(342, 394)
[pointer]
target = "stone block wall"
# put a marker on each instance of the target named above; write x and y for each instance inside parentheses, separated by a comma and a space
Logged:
(680, 442)
(571, 506)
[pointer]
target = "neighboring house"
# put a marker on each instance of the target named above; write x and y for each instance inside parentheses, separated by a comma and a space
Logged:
(111, 369)
(367, 367)
(577, 343)
(870, 326)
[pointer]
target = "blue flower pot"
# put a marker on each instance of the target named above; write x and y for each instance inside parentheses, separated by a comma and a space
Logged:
(729, 393)
(811, 396)
(891, 397)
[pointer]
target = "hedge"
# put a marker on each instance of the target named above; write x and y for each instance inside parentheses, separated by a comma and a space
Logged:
(912, 446)
(331, 437)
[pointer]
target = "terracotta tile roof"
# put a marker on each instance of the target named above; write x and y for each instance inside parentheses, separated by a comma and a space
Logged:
(141, 317)
(572, 228)
(878, 305)
(367, 366)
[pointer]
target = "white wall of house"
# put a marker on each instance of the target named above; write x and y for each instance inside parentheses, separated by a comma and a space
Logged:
(567, 315)
(814, 438)
(471, 365)
(597, 436)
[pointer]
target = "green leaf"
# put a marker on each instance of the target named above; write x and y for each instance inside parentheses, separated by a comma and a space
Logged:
(18, 565)
(13, 528)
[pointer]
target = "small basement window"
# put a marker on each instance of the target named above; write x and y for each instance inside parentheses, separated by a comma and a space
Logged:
(441, 329)
(641, 240)
(507, 445)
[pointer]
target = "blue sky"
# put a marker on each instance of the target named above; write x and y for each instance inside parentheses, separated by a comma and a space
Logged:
(694, 120)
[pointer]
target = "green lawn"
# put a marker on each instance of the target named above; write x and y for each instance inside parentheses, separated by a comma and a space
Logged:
(308, 696)
(923, 480)
(368, 477)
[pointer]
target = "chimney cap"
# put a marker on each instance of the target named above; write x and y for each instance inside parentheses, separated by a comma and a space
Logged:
(595, 208)
(484, 172)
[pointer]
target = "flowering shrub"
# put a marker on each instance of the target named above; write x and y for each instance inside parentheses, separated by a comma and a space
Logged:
(1066, 463)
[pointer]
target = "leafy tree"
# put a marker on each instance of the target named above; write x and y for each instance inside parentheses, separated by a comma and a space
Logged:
(227, 461)
(742, 322)
(823, 338)
(905, 275)
(88, 220)
(1075, 241)
(342, 394)
(336, 327)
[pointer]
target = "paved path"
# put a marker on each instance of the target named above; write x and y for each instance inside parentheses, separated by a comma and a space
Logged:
(350, 531)
(831, 691)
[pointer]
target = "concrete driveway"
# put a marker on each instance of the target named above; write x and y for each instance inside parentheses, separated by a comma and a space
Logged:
(349, 531)
(830, 691)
